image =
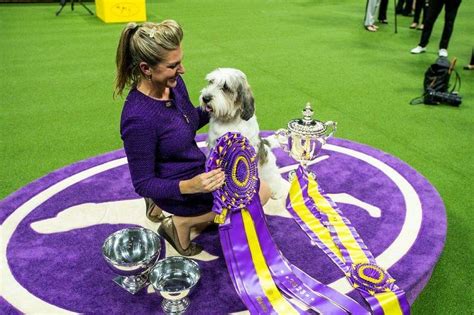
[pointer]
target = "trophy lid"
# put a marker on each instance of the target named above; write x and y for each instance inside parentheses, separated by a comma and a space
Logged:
(307, 126)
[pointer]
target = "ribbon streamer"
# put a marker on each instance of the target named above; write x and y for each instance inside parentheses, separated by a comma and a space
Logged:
(266, 282)
(327, 227)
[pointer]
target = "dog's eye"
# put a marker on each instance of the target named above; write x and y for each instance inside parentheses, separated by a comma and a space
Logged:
(211, 81)
(225, 88)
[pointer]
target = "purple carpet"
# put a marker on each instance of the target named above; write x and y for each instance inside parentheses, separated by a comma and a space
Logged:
(51, 267)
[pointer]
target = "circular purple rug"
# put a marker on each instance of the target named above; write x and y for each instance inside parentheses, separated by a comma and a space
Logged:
(53, 230)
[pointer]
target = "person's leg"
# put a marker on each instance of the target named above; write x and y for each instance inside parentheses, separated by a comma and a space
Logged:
(424, 11)
(451, 10)
(434, 9)
(470, 66)
(408, 8)
(370, 15)
(152, 211)
(183, 226)
(399, 8)
(418, 7)
(383, 11)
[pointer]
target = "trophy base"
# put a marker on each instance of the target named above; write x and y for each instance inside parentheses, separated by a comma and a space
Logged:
(132, 284)
(175, 307)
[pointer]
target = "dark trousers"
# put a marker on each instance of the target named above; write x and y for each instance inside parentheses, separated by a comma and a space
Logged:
(383, 10)
(420, 8)
(404, 7)
(434, 9)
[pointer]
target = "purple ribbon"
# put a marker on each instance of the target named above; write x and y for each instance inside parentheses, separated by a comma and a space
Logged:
(242, 272)
(359, 275)
(237, 158)
(295, 282)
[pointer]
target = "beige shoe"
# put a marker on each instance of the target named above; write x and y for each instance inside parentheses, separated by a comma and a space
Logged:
(150, 205)
(168, 231)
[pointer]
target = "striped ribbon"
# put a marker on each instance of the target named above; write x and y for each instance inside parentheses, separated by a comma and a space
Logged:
(327, 227)
(266, 282)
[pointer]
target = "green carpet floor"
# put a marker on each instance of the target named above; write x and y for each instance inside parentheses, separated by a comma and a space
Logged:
(57, 77)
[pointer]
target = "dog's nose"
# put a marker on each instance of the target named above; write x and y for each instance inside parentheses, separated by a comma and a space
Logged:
(206, 98)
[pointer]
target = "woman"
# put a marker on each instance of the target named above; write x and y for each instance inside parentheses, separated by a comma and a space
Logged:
(158, 127)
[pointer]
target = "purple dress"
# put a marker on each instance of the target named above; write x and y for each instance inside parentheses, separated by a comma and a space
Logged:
(158, 138)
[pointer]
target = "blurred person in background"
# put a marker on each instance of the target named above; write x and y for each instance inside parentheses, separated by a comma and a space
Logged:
(434, 9)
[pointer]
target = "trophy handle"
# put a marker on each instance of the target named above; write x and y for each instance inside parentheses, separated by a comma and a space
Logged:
(331, 127)
(282, 137)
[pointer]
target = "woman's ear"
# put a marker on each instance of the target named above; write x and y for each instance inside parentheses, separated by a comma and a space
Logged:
(145, 69)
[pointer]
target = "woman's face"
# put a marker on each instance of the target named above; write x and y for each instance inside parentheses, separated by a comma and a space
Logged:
(166, 72)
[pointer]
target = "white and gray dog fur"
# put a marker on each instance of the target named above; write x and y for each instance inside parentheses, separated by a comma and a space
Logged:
(230, 102)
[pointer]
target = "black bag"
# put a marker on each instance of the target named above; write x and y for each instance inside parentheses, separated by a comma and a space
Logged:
(436, 84)
(437, 76)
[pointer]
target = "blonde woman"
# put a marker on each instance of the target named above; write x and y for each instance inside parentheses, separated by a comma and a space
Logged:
(158, 126)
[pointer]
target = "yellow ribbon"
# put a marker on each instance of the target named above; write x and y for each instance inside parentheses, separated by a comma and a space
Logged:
(298, 204)
(345, 235)
(387, 300)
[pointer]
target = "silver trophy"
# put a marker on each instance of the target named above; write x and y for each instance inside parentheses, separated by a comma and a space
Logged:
(304, 138)
(131, 253)
(173, 278)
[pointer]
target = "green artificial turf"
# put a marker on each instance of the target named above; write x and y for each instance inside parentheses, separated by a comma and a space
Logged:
(57, 77)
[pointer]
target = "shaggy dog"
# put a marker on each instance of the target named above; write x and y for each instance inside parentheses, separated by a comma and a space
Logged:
(229, 100)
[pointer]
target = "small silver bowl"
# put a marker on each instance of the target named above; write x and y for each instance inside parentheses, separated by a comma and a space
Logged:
(131, 253)
(173, 278)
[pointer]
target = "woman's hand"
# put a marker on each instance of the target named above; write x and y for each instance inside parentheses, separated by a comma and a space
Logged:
(203, 183)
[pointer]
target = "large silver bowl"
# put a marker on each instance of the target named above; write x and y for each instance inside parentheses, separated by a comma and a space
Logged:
(173, 278)
(131, 253)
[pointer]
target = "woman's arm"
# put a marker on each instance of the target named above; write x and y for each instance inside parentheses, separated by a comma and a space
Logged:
(140, 140)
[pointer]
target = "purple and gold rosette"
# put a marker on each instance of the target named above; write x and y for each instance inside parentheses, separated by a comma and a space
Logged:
(237, 158)
(264, 279)
(371, 278)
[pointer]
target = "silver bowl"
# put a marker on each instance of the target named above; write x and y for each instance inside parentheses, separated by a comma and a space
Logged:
(131, 253)
(173, 278)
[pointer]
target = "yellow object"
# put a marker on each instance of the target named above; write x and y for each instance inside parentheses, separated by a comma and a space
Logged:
(115, 11)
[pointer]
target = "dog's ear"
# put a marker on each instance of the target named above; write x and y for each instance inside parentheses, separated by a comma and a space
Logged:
(246, 97)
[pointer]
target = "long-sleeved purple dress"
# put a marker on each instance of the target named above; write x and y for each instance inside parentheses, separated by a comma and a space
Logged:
(158, 138)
